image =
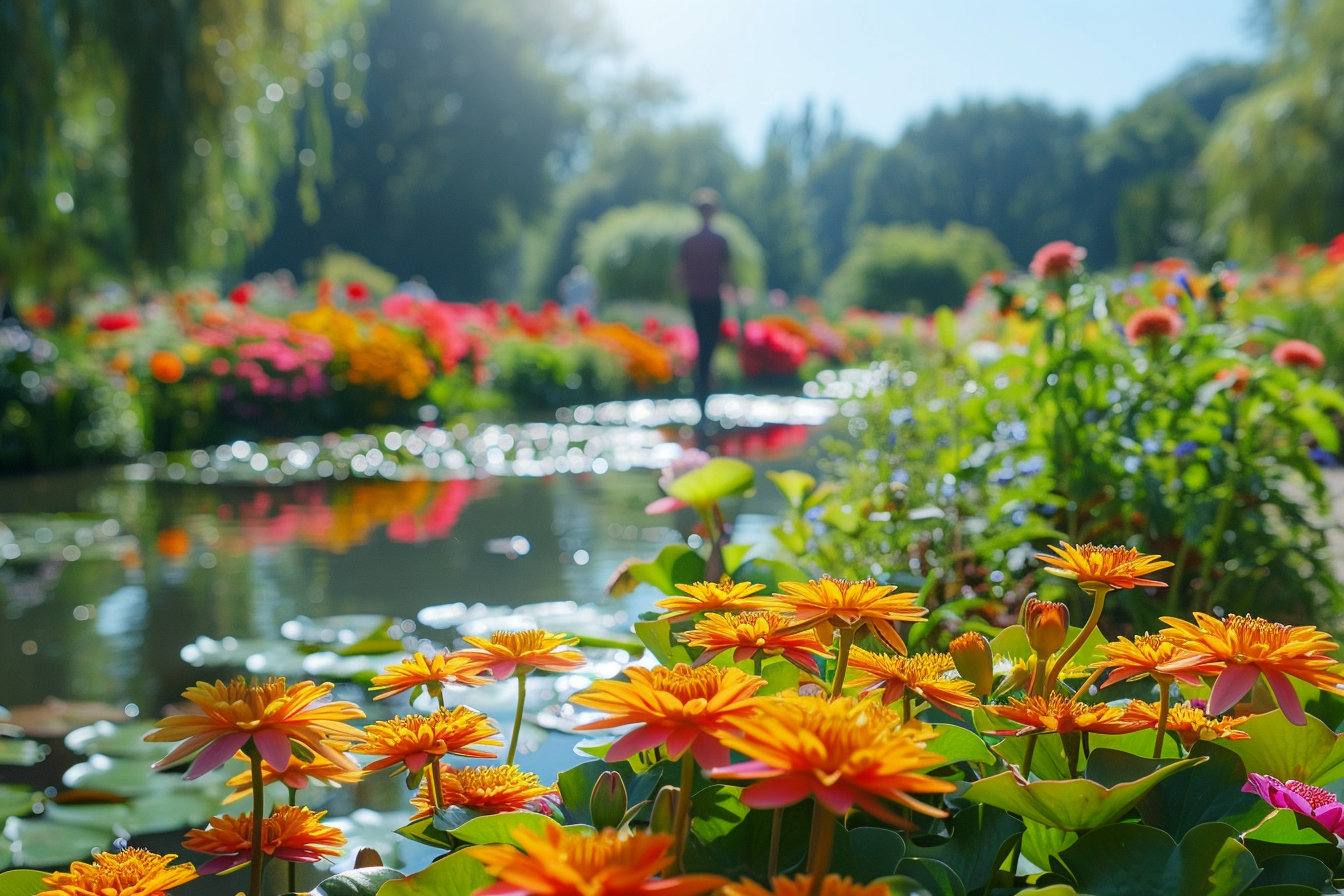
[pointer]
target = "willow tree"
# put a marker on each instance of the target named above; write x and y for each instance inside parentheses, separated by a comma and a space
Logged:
(147, 135)
(1275, 161)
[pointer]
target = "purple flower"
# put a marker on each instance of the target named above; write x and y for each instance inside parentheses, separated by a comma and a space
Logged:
(1323, 458)
(1186, 448)
(1314, 802)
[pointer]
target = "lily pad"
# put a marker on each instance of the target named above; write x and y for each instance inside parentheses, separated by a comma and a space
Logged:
(459, 874)
(957, 744)
(125, 741)
(1133, 859)
(21, 752)
(38, 843)
(1310, 753)
(1207, 792)
(16, 799)
(1286, 832)
(934, 876)
(722, 477)
(676, 564)
(1072, 805)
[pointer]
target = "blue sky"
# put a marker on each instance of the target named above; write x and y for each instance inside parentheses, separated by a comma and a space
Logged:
(888, 62)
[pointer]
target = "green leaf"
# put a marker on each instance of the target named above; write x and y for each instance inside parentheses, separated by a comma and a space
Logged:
(22, 882)
(932, 875)
(458, 874)
(357, 882)
(1203, 793)
(1140, 743)
(734, 841)
(48, 844)
(424, 831)
(1310, 753)
(976, 847)
(794, 485)
(500, 828)
(716, 810)
(945, 325)
(1136, 860)
(900, 885)
(1048, 762)
(762, 571)
(1041, 841)
(16, 799)
(20, 752)
(721, 478)
(1285, 832)
(676, 564)
(779, 674)
(1073, 805)
(657, 636)
(957, 744)
(877, 852)
(1011, 643)
(1289, 871)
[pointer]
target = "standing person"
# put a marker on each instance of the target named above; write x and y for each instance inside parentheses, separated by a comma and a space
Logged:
(704, 269)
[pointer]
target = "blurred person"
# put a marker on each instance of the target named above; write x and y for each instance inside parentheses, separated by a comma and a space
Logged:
(704, 269)
(578, 289)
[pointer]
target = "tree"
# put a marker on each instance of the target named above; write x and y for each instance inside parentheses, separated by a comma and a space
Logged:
(1016, 168)
(1275, 160)
(466, 106)
(771, 202)
(831, 193)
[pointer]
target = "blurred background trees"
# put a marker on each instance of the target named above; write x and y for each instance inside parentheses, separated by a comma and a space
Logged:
(473, 144)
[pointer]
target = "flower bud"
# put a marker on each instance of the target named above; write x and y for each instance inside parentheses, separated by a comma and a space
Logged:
(664, 810)
(1047, 624)
(608, 801)
(974, 659)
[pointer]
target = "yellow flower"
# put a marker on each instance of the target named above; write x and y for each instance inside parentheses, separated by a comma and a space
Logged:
(925, 674)
(487, 789)
(831, 885)
(1239, 649)
(431, 672)
(607, 863)
(827, 602)
(1106, 569)
(291, 833)
(414, 741)
(296, 775)
(747, 634)
(509, 652)
(1146, 655)
(681, 707)
(1054, 714)
(734, 597)
(226, 716)
(842, 752)
(1190, 722)
(391, 360)
(974, 659)
(131, 872)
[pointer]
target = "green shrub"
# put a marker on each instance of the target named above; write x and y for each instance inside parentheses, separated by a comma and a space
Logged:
(904, 267)
(633, 251)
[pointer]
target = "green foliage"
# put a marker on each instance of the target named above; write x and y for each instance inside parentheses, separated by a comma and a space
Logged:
(914, 267)
(771, 203)
(633, 251)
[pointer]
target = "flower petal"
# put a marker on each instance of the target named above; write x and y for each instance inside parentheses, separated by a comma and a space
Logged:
(273, 746)
(777, 792)
(1233, 683)
(216, 753)
(645, 737)
(1286, 697)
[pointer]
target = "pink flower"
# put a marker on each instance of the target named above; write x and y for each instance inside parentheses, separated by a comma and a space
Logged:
(242, 293)
(1314, 802)
(111, 321)
(1057, 259)
(1298, 353)
(219, 367)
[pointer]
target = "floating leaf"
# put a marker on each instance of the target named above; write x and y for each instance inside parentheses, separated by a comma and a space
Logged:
(125, 741)
(21, 752)
(722, 477)
(1133, 859)
(47, 844)
(1310, 753)
(16, 799)
(676, 564)
(500, 828)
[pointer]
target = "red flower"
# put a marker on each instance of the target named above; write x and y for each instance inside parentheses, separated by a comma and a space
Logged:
(242, 293)
(1155, 322)
(1298, 353)
(770, 349)
(356, 291)
(730, 330)
(111, 321)
(1334, 253)
(651, 326)
(41, 315)
(582, 316)
(1057, 259)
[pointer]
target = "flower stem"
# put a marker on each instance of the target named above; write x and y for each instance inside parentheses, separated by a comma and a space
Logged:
(842, 662)
(517, 718)
(823, 837)
(258, 809)
(756, 660)
(905, 706)
(776, 828)
(681, 827)
(1026, 758)
(439, 694)
(292, 867)
(435, 784)
(1163, 707)
(1091, 679)
(1099, 593)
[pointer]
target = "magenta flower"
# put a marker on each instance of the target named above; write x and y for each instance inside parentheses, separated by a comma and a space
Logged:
(1314, 802)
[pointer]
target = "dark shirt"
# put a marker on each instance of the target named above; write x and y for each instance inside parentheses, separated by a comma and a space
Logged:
(704, 263)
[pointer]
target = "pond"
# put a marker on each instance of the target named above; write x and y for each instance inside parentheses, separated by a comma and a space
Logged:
(122, 587)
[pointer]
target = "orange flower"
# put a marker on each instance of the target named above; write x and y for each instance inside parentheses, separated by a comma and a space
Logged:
(414, 741)
(487, 789)
(131, 872)
(842, 752)
(166, 367)
(1106, 569)
(297, 775)
(1154, 322)
(226, 716)
(831, 885)
(925, 674)
(291, 833)
(431, 673)
(826, 602)
(1047, 625)
(1189, 721)
(566, 863)
(1239, 649)
(681, 707)
(747, 634)
(1054, 714)
(735, 597)
(507, 652)
(1145, 655)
